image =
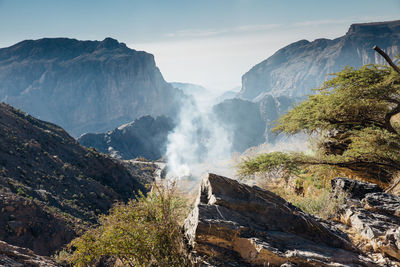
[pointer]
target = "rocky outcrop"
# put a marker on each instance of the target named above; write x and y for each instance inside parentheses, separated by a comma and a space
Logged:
(145, 137)
(233, 224)
(13, 256)
(301, 66)
(353, 188)
(49, 183)
(371, 216)
(84, 86)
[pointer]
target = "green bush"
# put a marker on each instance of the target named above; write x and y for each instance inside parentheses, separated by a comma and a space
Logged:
(143, 232)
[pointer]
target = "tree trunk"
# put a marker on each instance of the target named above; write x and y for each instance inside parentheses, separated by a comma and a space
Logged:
(387, 58)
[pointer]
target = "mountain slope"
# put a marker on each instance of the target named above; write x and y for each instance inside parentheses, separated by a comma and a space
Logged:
(301, 66)
(145, 137)
(49, 184)
(84, 86)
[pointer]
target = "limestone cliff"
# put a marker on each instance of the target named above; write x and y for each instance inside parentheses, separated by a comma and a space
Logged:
(301, 66)
(84, 86)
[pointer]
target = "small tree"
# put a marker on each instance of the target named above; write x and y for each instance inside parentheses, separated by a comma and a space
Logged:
(354, 115)
(143, 232)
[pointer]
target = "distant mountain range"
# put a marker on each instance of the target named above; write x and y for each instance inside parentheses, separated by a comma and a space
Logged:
(84, 86)
(301, 66)
(277, 83)
(96, 86)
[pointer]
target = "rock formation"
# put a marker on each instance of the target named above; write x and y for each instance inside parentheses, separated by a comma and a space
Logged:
(145, 137)
(84, 86)
(371, 216)
(233, 224)
(301, 66)
(13, 256)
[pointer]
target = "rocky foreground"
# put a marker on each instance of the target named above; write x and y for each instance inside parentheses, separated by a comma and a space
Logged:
(234, 224)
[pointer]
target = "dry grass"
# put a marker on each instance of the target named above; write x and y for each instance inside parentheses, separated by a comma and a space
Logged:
(310, 191)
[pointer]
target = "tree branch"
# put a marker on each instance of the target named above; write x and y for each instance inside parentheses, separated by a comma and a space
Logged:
(387, 58)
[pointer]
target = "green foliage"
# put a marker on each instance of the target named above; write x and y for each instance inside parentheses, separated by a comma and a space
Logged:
(354, 114)
(353, 99)
(272, 165)
(143, 232)
(356, 118)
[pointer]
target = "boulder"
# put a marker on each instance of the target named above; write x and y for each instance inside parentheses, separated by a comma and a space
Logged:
(353, 188)
(13, 256)
(234, 224)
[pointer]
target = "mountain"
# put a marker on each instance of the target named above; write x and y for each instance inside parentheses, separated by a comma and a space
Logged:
(243, 119)
(84, 86)
(145, 137)
(227, 95)
(301, 66)
(190, 88)
(50, 186)
(250, 122)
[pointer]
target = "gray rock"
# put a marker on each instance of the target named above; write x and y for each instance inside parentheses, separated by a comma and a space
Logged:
(353, 188)
(13, 256)
(371, 214)
(235, 223)
(383, 203)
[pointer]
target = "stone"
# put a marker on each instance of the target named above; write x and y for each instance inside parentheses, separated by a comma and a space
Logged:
(233, 223)
(372, 215)
(13, 256)
(353, 188)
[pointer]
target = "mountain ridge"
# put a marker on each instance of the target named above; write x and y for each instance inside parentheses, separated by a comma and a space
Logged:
(303, 65)
(84, 86)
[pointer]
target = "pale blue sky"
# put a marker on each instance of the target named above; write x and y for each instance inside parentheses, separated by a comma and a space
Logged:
(210, 42)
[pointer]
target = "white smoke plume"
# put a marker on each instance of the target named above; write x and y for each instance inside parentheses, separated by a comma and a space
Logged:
(199, 144)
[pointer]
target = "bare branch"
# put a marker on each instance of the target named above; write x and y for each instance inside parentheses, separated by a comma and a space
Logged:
(387, 58)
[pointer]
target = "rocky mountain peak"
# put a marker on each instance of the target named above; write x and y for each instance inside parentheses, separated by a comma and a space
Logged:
(302, 66)
(84, 86)
(392, 27)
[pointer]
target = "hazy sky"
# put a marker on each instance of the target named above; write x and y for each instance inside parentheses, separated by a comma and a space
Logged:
(208, 42)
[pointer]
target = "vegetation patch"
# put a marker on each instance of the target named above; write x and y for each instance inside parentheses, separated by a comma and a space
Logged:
(142, 232)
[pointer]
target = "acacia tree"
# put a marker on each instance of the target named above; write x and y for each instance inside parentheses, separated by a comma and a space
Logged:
(354, 115)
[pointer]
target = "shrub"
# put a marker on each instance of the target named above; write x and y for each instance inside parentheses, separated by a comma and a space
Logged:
(143, 232)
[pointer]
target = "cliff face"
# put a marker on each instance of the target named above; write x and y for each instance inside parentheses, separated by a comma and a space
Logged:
(49, 184)
(251, 122)
(243, 119)
(84, 86)
(301, 66)
(146, 137)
